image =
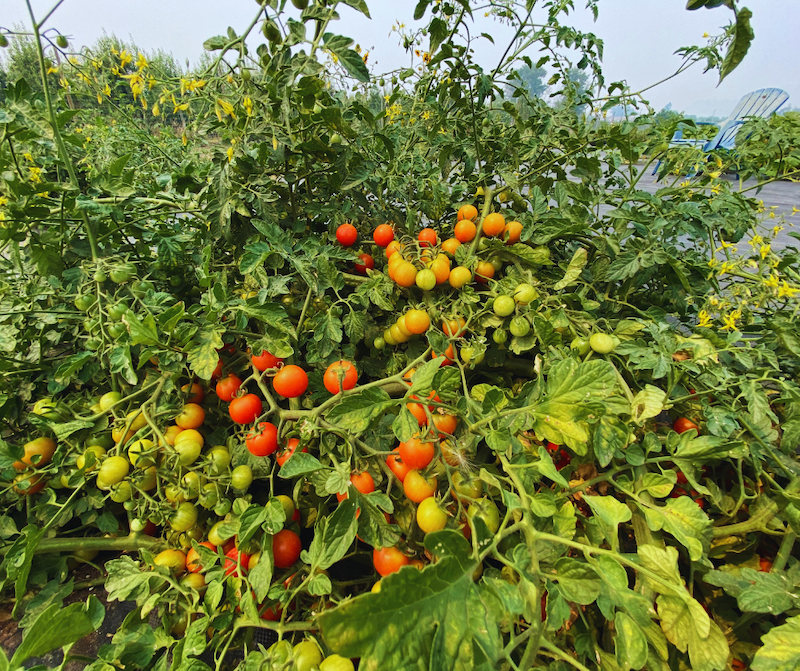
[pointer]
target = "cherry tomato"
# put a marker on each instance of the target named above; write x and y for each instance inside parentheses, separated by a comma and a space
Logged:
(415, 453)
(427, 237)
(764, 564)
(285, 454)
(28, 483)
(234, 558)
(431, 516)
(343, 370)
(417, 487)
(336, 663)
(504, 306)
(397, 466)
(266, 360)
(174, 560)
(682, 424)
(217, 371)
(367, 263)
(286, 548)
(347, 235)
(263, 441)
(241, 477)
(245, 409)
(193, 390)
(112, 471)
(469, 212)
(383, 235)
(486, 510)
(37, 452)
(602, 343)
(307, 656)
(465, 486)
(191, 416)
(363, 482)
(290, 382)
(445, 424)
(388, 560)
(184, 517)
(228, 386)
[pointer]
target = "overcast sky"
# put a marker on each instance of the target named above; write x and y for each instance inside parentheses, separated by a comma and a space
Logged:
(640, 37)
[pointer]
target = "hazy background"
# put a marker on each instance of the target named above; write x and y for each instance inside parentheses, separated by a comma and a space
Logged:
(640, 37)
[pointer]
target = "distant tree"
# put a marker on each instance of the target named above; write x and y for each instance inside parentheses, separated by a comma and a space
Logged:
(530, 79)
(21, 60)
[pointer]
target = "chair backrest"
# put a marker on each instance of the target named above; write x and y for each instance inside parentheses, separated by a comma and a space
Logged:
(762, 103)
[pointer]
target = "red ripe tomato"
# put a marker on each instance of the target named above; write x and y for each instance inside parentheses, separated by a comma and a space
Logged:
(764, 564)
(383, 235)
(245, 409)
(427, 237)
(217, 371)
(418, 411)
(228, 386)
(681, 478)
(363, 482)
(234, 558)
(266, 360)
(290, 382)
(415, 453)
(348, 373)
(397, 466)
(367, 263)
(286, 548)
(263, 441)
(283, 456)
(388, 560)
(272, 614)
(346, 234)
(682, 424)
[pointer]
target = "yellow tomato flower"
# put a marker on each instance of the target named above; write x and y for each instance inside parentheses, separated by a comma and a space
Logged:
(786, 291)
(729, 320)
(704, 319)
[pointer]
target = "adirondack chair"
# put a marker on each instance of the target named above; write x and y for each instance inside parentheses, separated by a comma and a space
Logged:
(762, 103)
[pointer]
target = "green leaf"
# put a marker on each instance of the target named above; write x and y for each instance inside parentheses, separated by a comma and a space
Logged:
(685, 520)
(56, 627)
(781, 648)
(301, 463)
(71, 365)
(439, 620)
(574, 269)
(142, 332)
(574, 392)
(355, 413)
(664, 563)
(756, 591)
(688, 627)
(742, 38)
(215, 43)
(647, 404)
(610, 436)
(611, 513)
(261, 576)
(630, 644)
(438, 31)
(349, 58)
(577, 581)
(121, 363)
(359, 5)
(547, 468)
(202, 353)
(334, 535)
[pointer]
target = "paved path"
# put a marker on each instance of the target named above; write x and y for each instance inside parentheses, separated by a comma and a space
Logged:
(782, 195)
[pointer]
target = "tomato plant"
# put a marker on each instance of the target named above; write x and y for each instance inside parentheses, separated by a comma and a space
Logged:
(285, 223)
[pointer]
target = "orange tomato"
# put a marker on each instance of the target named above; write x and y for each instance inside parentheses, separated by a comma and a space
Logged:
(191, 416)
(454, 327)
(467, 212)
(494, 224)
(392, 247)
(405, 274)
(459, 276)
(465, 230)
(451, 245)
(512, 232)
(484, 271)
(441, 268)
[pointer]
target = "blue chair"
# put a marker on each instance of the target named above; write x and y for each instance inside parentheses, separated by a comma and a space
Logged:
(762, 103)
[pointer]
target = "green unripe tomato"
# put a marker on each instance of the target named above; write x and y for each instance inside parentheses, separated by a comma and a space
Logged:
(486, 510)
(426, 279)
(271, 31)
(287, 504)
(100, 276)
(602, 343)
(115, 330)
(222, 508)
(525, 293)
(500, 336)
(84, 302)
(300, 4)
(580, 345)
(467, 355)
(108, 399)
(115, 312)
(121, 492)
(62, 42)
(242, 477)
(379, 343)
(519, 327)
(307, 656)
(335, 139)
(219, 459)
(188, 451)
(112, 470)
(336, 663)
(467, 486)
(504, 306)
(122, 273)
(90, 457)
(184, 517)
(208, 496)
(3, 41)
